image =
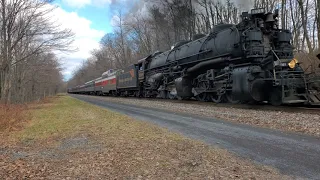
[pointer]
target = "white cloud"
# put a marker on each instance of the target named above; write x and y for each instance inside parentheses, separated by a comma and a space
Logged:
(82, 3)
(77, 3)
(79, 25)
(115, 21)
(100, 3)
(69, 65)
(86, 38)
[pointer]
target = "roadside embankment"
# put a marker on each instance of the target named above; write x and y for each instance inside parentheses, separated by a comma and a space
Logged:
(12, 116)
(67, 138)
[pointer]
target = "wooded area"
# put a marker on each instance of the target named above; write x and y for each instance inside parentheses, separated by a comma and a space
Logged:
(28, 41)
(159, 24)
(29, 38)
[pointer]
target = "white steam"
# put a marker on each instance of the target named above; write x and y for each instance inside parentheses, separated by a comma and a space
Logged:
(244, 5)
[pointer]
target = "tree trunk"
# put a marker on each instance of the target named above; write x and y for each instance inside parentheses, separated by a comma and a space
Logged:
(6, 85)
(318, 21)
(283, 14)
(304, 23)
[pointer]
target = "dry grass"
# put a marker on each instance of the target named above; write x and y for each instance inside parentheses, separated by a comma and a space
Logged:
(73, 139)
(15, 117)
(12, 116)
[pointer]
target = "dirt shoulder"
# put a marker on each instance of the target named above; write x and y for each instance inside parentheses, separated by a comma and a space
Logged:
(299, 122)
(68, 138)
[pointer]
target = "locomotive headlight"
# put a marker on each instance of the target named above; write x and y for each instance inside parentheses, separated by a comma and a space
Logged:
(293, 63)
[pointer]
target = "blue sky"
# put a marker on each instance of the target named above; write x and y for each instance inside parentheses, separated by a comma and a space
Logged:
(89, 20)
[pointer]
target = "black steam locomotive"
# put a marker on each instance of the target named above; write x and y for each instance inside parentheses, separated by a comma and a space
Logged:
(252, 61)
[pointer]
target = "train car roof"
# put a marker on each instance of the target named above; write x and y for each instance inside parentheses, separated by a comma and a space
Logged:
(110, 73)
(151, 55)
(89, 82)
(143, 59)
(98, 78)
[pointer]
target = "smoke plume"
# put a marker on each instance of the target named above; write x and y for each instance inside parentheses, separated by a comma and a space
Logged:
(244, 5)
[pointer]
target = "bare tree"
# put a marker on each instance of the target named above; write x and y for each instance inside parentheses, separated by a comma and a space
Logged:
(168, 21)
(26, 31)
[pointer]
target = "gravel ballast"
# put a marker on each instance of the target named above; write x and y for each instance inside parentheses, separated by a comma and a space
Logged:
(300, 122)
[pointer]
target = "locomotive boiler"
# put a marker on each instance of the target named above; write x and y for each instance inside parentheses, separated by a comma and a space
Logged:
(250, 61)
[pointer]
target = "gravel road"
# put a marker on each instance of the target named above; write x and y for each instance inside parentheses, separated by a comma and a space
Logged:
(290, 119)
(292, 154)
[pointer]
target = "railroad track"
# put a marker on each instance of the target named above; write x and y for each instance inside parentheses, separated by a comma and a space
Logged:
(260, 106)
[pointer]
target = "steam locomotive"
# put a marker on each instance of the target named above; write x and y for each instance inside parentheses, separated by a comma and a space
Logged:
(252, 61)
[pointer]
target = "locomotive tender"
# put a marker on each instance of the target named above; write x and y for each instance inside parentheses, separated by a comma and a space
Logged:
(252, 61)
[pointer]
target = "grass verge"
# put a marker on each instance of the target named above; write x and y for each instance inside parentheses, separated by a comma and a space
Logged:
(12, 116)
(70, 138)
